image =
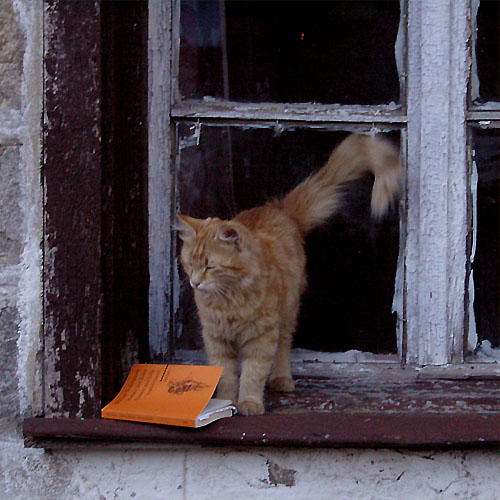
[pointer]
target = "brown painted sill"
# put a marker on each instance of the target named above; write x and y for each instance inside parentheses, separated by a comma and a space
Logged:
(345, 406)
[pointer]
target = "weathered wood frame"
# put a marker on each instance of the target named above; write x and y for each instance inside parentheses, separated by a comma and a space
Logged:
(79, 216)
(95, 273)
(167, 109)
(436, 259)
(431, 285)
(72, 178)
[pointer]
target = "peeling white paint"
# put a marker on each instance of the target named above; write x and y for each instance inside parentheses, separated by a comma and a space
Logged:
(474, 78)
(351, 356)
(191, 140)
(160, 189)
(437, 180)
(486, 353)
(310, 112)
(472, 332)
(86, 392)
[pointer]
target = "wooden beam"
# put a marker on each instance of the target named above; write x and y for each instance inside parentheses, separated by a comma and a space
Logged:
(326, 430)
(72, 177)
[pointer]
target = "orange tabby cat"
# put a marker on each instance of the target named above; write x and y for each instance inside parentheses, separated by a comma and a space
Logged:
(248, 273)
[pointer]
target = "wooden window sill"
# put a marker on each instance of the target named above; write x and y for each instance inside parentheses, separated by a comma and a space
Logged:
(359, 406)
(327, 430)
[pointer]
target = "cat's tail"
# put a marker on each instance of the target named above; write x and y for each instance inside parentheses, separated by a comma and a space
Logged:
(318, 197)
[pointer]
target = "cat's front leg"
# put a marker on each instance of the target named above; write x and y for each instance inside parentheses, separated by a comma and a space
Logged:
(220, 353)
(257, 359)
(281, 374)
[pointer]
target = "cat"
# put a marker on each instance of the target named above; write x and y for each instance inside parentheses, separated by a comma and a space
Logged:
(248, 273)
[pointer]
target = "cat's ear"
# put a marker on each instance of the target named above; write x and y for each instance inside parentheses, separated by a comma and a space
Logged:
(228, 234)
(186, 226)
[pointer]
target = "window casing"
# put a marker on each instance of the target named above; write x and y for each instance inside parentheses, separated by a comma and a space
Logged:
(434, 54)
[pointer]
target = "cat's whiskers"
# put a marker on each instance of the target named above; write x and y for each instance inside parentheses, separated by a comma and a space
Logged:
(222, 292)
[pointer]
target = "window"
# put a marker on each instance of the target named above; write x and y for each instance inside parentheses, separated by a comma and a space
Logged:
(230, 156)
(239, 114)
(215, 97)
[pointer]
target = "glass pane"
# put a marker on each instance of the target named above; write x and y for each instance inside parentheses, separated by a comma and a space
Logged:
(488, 50)
(486, 144)
(351, 259)
(290, 51)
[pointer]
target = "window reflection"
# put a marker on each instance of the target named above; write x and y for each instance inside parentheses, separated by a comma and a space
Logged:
(486, 144)
(351, 260)
(290, 51)
(488, 50)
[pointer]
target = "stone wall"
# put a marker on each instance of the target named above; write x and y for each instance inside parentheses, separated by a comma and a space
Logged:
(176, 473)
(20, 208)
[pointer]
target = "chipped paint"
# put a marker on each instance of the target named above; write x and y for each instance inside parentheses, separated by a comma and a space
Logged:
(69, 160)
(161, 271)
(279, 475)
(437, 181)
(303, 112)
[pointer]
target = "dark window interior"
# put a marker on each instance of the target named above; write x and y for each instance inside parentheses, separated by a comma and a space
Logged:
(486, 144)
(296, 51)
(124, 189)
(488, 50)
(351, 260)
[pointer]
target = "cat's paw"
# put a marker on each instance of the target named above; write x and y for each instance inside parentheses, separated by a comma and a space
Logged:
(250, 408)
(282, 384)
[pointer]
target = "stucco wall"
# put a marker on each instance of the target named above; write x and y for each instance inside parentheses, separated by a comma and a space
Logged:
(188, 473)
(243, 474)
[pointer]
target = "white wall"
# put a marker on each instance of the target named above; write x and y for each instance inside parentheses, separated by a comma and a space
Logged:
(177, 473)
(247, 474)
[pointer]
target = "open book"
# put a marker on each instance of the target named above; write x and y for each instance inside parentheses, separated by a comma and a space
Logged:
(170, 394)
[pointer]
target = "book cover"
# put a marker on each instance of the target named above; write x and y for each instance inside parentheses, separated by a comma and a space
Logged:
(171, 395)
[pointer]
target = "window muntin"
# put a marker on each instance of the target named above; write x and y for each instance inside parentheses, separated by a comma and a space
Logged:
(299, 51)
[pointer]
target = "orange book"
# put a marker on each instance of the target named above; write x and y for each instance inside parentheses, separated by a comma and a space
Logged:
(170, 394)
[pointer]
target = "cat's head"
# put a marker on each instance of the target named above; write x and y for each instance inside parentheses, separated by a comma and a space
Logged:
(218, 256)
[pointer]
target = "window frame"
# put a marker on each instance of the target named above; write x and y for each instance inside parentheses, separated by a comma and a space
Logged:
(72, 398)
(433, 117)
(94, 158)
(166, 108)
